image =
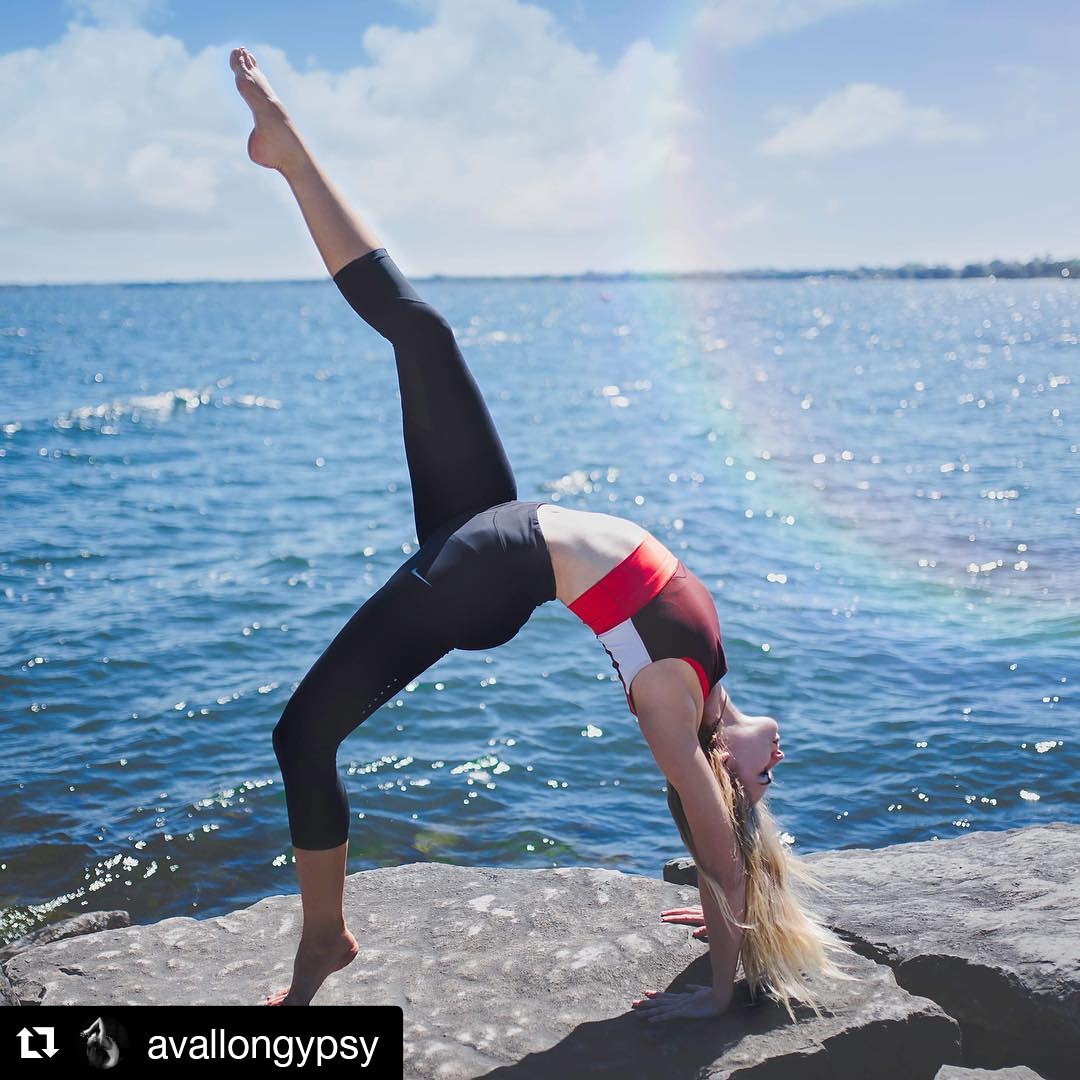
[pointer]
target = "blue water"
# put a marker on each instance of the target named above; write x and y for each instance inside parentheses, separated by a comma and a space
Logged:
(879, 481)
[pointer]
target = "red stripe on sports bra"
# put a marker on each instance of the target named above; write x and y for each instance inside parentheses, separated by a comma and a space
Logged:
(702, 677)
(627, 588)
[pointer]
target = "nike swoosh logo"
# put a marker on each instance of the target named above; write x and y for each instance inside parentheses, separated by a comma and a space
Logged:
(416, 573)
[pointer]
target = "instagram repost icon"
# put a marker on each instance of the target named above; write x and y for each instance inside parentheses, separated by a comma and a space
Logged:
(26, 1036)
(104, 1039)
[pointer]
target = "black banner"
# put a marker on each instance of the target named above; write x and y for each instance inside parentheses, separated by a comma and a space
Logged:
(42, 1040)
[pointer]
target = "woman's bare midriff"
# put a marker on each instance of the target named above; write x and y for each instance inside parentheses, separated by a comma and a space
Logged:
(585, 546)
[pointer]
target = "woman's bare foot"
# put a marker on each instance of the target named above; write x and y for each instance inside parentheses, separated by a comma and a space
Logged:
(315, 960)
(274, 142)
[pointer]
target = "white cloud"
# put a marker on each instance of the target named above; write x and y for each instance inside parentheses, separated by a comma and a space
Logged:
(860, 115)
(734, 24)
(487, 126)
(108, 128)
(175, 183)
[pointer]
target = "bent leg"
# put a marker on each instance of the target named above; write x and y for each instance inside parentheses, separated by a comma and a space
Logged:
(395, 636)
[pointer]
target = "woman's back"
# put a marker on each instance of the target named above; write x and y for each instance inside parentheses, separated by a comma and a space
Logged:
(585, 546)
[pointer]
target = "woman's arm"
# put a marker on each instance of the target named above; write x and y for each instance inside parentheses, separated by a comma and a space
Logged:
(725, 940)
(703, 1001)
(669, 723)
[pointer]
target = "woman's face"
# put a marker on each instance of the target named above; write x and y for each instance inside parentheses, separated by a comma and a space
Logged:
(754, 742)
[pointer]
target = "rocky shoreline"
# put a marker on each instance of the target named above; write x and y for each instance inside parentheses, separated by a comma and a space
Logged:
(968, 965)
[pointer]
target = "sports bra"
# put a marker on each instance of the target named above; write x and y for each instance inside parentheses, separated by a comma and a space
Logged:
(650, 607)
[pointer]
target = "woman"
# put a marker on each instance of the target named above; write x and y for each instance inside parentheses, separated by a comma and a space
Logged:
(485, 561)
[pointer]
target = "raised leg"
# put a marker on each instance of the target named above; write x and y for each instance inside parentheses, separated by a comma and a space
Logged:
(339, 234)
(456, 459)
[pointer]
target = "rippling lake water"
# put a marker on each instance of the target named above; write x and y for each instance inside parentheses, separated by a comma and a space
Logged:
(879, 481)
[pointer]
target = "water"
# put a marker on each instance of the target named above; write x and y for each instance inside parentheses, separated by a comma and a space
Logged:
(879, 482)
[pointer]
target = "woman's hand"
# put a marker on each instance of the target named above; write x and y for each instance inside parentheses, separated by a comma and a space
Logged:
(696, 1003)
(690, 916)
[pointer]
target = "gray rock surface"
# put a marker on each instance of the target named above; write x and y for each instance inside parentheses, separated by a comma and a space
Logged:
(987, 925)
(681, 871)
(87, 922)
(958, 1072)
(511, 973)
(7, 994)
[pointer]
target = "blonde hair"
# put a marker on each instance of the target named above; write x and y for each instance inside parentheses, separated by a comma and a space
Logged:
(784, 939)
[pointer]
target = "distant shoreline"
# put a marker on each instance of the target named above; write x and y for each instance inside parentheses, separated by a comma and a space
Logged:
(993, 270)
(997, 268)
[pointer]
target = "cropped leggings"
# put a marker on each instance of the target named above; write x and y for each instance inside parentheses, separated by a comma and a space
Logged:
(457, 467)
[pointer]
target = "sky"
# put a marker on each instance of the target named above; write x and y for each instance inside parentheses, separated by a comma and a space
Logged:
(553, 137)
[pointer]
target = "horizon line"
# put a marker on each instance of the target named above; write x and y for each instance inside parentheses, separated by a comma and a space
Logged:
(1035, 267)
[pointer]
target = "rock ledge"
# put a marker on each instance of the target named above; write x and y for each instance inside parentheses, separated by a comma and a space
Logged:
(969, 955)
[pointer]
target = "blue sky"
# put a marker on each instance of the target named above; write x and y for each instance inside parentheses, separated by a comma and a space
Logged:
(496, 136)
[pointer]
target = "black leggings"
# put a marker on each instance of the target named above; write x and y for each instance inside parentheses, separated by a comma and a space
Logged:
(458, 468)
